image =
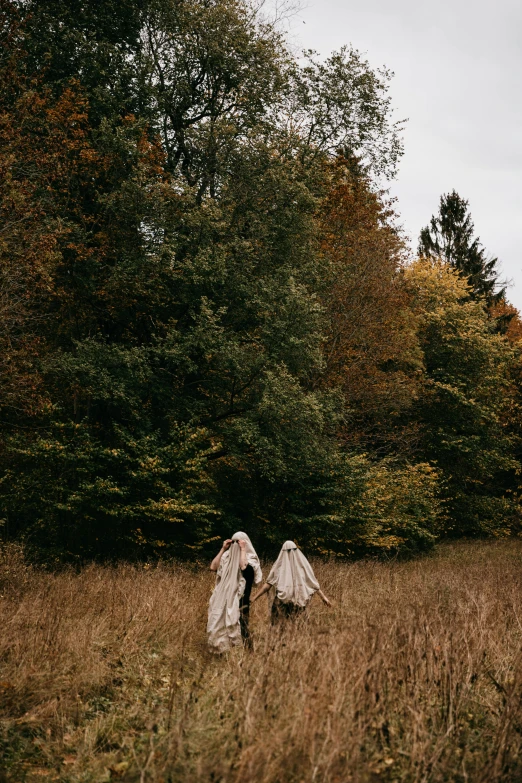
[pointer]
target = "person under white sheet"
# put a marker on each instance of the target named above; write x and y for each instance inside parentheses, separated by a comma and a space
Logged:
(238, 568)
(294, 582)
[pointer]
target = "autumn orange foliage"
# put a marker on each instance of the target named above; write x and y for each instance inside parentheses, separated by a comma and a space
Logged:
(58, 230)
(372, 350)
(43, 148)
(514, 325)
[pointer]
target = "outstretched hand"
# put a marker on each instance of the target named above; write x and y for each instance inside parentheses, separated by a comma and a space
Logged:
(323, 598)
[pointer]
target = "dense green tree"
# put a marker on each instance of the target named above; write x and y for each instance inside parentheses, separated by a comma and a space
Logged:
(94, 43)
(181, 329)
(465, 407)
(342, 104)
(204, 74)
(193, 255)
(449, 236)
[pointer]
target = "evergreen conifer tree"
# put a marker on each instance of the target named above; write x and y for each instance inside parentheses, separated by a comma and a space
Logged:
(449, 236)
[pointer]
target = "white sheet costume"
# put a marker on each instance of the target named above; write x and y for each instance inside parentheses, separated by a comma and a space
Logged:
(293, 576)
(223, 627)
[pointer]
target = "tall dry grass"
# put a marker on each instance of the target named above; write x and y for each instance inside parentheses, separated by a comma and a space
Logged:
(414, 675)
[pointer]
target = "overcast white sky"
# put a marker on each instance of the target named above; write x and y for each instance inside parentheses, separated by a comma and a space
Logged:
(458, 78)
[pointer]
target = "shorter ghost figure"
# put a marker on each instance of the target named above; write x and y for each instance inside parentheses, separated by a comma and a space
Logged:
(294, 582)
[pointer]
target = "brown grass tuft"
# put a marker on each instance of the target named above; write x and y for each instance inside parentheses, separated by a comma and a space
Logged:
(414, 675)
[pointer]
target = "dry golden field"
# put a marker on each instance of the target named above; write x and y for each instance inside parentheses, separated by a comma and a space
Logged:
(414, 675)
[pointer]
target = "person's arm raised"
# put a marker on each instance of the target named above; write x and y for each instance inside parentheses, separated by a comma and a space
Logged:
(217, 560)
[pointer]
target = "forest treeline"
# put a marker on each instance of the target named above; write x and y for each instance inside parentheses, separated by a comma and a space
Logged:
(209, 318)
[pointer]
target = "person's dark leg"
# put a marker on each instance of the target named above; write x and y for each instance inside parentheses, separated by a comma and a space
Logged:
(244, 622)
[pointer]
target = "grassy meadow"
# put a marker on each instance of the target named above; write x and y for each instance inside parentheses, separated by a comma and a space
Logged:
(415, 674)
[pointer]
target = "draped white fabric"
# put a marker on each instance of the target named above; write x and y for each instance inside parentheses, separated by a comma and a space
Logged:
(293, 576)
(223, 612)
(252, 558)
